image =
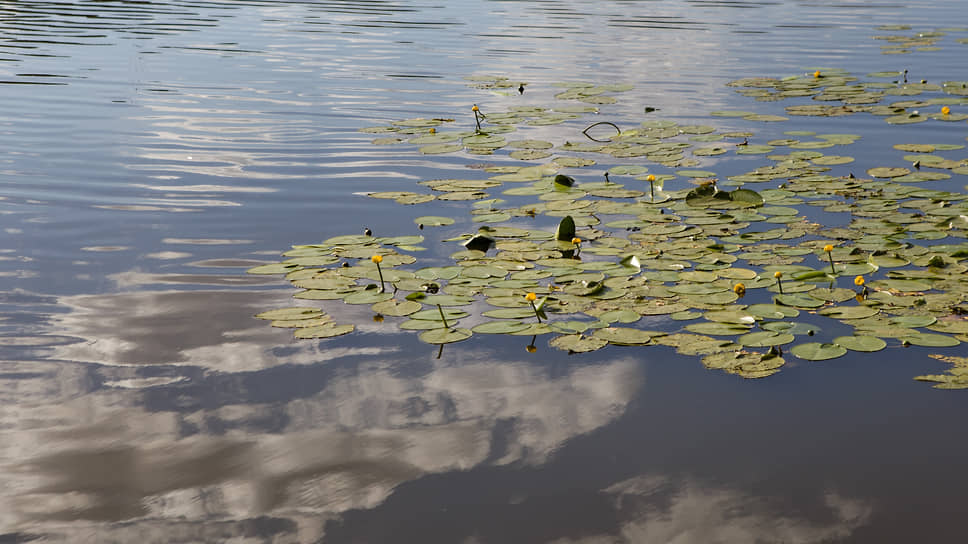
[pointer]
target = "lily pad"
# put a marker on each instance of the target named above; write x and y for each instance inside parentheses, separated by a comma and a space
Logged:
(296, 312)
(815, 351)
(931, 340)
(849, 312)
(861, 343)
(761, 339)
(396, 308)
(444, 335)
(324, 331)
(578, 343)
(624, 336)
(500, 327)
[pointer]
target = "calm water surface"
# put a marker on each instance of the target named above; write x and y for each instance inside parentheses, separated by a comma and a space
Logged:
(150, 152)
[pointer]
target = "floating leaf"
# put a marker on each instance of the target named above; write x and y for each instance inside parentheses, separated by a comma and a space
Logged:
(849, 312)
(624, 336)
(369, 296)
(761, 339)
(296, 312)
(861, 343)
(887, 172)
(798, 300)
(717, 329)
(433, 221)
(396, 308)
(815, 351)
(578, 343)
(434, 315)
(444, 335)
(437, 149)
(274, 268)
(931, 340)
(500, 327)
(324, 331)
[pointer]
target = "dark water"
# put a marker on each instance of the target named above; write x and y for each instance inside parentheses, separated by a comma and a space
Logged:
(150, 152)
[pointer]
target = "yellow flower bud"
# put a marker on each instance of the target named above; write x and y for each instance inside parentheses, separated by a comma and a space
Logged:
(475, 108)
(377, 259)
(650, 177)
(828, 248)
(531, 297)
(576, 240)
(778, 274)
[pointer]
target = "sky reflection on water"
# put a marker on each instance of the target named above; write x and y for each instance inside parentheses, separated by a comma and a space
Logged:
(154, 150)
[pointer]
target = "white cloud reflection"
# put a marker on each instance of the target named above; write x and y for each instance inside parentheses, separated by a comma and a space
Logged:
(98, 448)
(710, 514)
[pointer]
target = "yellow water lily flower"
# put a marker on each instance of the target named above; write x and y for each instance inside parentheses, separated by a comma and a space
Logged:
(475, 108)
(531, 297)
(576, 240)
(859, 280)
(650, 178)
(377, 259)
(739, 289)
(828, 248)
(817, 74)
(778, 274)
(945, 110)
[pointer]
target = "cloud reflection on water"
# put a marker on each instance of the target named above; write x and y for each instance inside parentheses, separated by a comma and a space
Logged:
(250, 423)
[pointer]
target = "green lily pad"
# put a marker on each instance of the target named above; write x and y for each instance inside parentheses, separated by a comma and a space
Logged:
(299, 323)
(578, 343)
(433, 221)
(815, 351)
(274, 268)
(761, 339)
(500, 327)
(620, 316)
(849, 312)
(444, 335)
(931, 340)
(861, 343)
(624, 336)
(798, 300)
(914, 321)
(396, 308)
(369, 296)
(795, 328)
(296, 312)
(438, 149)
(434, 315)
(324, 331)
(717, 329)
(772, 311)
(886, 172)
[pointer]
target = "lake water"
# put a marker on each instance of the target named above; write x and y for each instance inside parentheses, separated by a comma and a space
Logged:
(152, 152)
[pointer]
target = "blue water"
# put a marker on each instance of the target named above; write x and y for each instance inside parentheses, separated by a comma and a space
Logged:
(150, 152)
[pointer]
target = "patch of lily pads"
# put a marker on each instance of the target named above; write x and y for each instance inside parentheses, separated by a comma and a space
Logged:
(728, 269)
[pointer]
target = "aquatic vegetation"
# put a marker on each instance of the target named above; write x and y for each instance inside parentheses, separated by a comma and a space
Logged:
(686, 252)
